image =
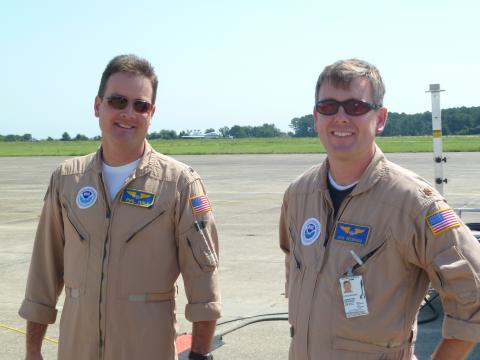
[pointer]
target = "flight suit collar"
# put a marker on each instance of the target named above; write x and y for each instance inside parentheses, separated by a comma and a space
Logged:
(322, 176)
(375, 171)
(372, 174)
(144, 167)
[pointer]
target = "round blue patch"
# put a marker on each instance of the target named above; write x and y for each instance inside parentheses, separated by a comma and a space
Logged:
(311, 230)
(86, 197)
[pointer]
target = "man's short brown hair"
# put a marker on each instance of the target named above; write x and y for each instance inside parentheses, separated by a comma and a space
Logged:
(341, 73)
(130, 64)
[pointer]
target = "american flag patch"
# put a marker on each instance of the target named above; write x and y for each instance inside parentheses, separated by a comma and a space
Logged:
(442, 220)
(200, 205)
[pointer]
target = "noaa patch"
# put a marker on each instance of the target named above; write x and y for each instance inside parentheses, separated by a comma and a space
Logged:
(311, 230)
(86, 197)
(352, 233)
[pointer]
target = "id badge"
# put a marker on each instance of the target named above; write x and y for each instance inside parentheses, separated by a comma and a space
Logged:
(353, 294)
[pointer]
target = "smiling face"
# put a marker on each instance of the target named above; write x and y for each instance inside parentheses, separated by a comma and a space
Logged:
(349, 138)
(124, 131)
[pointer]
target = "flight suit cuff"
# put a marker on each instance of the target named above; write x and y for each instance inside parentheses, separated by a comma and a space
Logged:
(36, 312)
(460, 329)
(203, 311)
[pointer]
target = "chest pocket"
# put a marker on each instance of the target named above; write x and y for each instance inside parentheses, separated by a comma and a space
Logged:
(296, 273)
(148, 261)
(386, 281)
(76, 249)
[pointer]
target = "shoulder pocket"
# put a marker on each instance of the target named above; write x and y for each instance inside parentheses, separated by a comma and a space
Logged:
(202, 249)
(456, 276)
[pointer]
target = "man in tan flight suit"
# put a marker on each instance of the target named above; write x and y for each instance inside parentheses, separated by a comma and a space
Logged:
(117, 228)
(360, 218)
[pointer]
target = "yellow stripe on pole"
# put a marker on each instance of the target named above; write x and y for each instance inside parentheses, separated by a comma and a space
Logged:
(437, 133)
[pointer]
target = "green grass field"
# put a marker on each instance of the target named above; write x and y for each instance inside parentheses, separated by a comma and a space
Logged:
(239, 146)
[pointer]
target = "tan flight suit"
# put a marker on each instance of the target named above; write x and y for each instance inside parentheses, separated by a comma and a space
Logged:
(119, 261)
(401, 256)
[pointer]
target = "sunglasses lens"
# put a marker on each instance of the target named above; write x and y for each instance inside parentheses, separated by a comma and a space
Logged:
(118, 102)
(356, 107)
(141, 106)
(327, 107)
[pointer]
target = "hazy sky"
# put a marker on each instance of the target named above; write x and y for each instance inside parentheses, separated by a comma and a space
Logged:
(222, 63)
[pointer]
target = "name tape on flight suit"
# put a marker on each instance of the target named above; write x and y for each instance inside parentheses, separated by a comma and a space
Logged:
(442, 220)
(200, 205)
(86, 197)
(352, 233)
(137, 198)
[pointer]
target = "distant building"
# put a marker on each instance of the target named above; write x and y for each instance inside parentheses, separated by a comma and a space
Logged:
(199, 135)
(212, 135)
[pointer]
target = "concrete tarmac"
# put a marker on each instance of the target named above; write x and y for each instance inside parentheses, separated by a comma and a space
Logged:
(246, 193)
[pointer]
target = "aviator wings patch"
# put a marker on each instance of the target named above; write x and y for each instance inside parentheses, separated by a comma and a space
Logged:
(137, 198)
(352, 233)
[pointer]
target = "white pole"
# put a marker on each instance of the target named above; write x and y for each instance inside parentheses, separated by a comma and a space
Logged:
(437, 137)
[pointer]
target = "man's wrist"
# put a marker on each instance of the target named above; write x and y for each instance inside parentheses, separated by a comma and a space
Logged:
(197, 356)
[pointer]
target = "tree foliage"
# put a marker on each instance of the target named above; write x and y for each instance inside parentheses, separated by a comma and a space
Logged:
(163, 134)
(80, 137)
(65, 137)
(303, 126)
(263, 131)
(455, 121)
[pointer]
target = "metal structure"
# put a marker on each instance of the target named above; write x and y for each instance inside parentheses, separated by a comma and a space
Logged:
(439, 159)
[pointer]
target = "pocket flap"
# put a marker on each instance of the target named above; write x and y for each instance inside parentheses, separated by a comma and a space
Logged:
(202, 248)
(364, 347)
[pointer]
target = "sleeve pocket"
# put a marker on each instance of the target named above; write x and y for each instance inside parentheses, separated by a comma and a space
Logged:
(202, 249)
(456, 276)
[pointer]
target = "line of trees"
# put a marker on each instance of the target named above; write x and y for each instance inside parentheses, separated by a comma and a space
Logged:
(455, 121)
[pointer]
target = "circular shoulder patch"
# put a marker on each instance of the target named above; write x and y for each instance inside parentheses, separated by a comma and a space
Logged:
(86, 197)
(311, 230)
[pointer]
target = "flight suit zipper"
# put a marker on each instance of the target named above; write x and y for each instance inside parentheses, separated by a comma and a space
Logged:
(328, 236)
(340, 212)
(108, 215)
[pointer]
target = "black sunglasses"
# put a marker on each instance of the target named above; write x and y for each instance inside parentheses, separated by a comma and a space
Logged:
(352, 107)
(120, 102)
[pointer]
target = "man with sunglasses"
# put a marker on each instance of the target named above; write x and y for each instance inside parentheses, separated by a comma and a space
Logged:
(360, 218)
(117, 228)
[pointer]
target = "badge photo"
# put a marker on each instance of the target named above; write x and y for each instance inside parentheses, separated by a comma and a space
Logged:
(86, 197)
(311, 230)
